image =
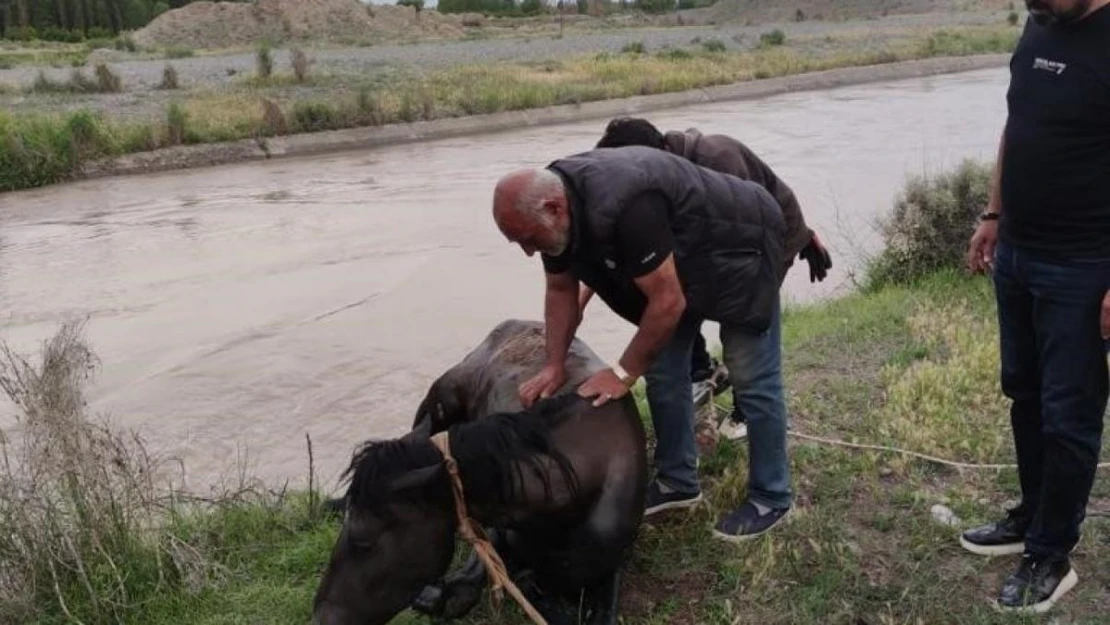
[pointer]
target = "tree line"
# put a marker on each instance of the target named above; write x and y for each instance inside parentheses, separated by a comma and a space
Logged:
(75, 20)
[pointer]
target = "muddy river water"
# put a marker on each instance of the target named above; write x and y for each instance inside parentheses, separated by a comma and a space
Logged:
(235, 309)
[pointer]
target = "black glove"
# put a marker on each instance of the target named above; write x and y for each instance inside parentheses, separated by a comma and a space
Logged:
(818, 258)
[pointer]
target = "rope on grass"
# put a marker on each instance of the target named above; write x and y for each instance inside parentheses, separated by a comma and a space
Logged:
(941, 461)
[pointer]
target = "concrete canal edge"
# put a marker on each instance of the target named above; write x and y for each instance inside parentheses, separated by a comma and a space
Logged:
(183, 157)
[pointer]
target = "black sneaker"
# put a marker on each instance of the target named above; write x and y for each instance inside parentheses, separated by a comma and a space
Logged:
(660, 498)
(1037, 585)
(1005, 537)
(746, 523)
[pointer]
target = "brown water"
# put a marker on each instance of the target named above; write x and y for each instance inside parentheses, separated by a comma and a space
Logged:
(236, 309)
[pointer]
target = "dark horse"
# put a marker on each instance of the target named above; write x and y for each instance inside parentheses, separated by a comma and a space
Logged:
(559, 487)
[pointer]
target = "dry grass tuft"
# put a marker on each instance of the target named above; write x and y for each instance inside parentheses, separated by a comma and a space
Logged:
(78, 498)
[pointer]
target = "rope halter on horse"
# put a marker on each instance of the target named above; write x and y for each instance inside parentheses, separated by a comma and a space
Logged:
(473, 533)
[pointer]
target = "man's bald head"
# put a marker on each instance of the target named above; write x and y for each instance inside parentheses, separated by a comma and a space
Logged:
(530, 209)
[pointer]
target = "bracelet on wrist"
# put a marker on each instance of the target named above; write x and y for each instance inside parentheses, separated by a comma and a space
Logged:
(623, 375)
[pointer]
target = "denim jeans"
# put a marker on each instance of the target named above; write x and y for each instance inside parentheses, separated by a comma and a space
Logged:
(754, 363)
(1054, 372)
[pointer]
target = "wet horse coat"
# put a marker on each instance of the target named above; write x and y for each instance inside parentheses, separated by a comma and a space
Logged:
(565, 540)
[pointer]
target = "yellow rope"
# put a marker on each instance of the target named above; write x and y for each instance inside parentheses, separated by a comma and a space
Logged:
(476, 536)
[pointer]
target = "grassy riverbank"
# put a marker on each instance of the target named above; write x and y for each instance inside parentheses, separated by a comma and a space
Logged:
(45, 148)
(910, 366)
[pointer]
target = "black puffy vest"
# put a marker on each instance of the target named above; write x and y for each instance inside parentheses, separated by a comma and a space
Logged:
(729, 233)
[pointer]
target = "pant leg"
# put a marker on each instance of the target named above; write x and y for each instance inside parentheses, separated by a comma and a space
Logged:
(671, 401)
(754, 363)
(1020, 374)
(700, 363)
(1074, 390)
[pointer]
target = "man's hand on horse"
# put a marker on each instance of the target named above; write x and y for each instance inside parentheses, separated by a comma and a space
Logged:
(604, 385)
(542, 385)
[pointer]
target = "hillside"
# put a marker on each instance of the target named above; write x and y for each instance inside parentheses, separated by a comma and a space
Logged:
(228, 24)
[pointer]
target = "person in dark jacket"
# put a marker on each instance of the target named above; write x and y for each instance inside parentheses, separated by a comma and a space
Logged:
(666, 244)
(728, 155)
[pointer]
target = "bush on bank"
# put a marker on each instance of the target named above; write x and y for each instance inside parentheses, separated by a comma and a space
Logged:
(931, 224)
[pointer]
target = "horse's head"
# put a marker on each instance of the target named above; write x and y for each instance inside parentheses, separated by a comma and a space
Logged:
(397, 537)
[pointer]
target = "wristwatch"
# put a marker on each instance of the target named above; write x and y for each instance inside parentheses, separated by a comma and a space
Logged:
(624, 376)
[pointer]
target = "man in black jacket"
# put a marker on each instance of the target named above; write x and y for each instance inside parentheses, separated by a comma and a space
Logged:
(1045, 236)
(727, 155)
(665, 243)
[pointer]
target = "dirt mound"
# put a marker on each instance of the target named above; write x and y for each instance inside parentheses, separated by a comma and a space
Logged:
(763, 11)
(227, 24)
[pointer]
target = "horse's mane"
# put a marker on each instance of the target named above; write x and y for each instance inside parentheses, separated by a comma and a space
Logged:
(491, 454)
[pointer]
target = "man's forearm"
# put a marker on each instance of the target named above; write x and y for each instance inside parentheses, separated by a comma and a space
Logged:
(656, 328)
(561, 316)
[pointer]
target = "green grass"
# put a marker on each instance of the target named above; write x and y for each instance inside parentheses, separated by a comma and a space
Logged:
(911, 366)
(467, 90)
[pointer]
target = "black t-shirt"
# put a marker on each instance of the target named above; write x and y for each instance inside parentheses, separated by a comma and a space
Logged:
(1056, 158)
(643, 242)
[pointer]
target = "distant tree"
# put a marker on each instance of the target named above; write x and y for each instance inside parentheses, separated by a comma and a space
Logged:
(63, 19)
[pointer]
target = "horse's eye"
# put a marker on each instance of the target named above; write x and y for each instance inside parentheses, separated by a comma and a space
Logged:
(362, 545)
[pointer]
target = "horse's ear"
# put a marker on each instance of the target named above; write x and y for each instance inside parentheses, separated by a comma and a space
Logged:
(415, 479)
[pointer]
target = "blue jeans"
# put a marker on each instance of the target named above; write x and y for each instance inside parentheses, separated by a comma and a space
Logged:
(754, 363)
(1054, 372)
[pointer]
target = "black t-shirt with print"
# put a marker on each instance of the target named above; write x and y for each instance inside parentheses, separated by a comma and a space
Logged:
(1056, 157)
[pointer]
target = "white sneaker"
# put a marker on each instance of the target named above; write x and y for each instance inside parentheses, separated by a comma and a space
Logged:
(703, 393)
(732, 430)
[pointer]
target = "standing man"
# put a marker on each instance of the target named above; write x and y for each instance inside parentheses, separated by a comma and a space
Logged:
(665, 243)
(1046, 238)
(727, 155)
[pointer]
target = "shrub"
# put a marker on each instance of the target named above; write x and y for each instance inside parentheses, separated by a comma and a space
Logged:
(169, 78)
(75, 498)
(931, 224)
(273, 119)
(126, 44)
(314, 116)
(675, 54)
(176, 121)
(773, 38)
(300, 64)
(714, 45)
(178, 52)
(38, 150)
(264, 61)
(633, 47)
(106, 80)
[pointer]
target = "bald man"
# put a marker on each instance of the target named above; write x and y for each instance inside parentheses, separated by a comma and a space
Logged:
(666, 244)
